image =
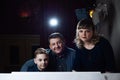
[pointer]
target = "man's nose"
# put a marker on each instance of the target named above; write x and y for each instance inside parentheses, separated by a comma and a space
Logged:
(56, 45)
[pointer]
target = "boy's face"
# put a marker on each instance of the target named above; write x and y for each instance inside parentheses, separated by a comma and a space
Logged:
(42, 61)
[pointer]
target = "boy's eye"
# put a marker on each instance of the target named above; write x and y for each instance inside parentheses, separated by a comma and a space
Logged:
(40, 59)
(45, 59)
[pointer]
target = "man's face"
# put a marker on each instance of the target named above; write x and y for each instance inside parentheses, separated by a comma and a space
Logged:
(42, 61)
(56, 45)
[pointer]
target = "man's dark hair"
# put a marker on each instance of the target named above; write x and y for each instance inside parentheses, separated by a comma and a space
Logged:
(56, 35)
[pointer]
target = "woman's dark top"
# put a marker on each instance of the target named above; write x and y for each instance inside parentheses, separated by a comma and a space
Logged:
(100, 58)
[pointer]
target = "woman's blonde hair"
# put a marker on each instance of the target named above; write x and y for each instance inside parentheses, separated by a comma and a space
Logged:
(85, 24)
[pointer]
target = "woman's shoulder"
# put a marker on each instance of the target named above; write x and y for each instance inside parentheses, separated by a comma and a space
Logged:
(103, 40)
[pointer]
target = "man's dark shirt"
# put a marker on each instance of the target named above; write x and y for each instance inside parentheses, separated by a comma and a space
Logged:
(64, 62)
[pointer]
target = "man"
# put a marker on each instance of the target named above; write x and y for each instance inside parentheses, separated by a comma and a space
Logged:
(61, 57)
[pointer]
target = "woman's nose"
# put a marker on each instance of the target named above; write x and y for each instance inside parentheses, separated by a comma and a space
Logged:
(84, 33)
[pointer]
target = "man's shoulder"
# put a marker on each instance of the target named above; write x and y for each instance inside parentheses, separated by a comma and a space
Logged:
(71, 50)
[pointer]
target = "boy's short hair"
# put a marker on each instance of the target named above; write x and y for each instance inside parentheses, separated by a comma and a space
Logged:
(40, 51)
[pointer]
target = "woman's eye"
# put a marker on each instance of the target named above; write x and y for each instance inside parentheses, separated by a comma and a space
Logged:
(80, 31)
(88, 31)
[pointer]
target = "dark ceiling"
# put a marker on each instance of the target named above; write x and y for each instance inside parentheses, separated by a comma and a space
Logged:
(31, 16)
(27, 16)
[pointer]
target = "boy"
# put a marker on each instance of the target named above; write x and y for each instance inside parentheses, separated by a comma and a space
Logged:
(39, 63)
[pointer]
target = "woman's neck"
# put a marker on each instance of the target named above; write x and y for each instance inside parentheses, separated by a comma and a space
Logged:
(89, 45)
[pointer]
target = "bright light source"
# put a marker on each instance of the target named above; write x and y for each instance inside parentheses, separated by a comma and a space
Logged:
(53, 22)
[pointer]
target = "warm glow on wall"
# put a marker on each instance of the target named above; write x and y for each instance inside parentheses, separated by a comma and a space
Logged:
(24, 14)
(91, 13)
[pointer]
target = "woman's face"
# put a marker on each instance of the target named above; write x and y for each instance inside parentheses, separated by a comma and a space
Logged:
(85, 34)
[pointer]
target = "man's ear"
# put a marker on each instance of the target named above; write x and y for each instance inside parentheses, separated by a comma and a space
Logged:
(35, 61)
(49, 46)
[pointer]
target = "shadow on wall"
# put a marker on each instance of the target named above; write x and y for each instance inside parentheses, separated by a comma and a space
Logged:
(107, 20)
(115, 37)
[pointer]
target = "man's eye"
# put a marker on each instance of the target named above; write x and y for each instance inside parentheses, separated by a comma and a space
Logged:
(59, 42)
(53, 44)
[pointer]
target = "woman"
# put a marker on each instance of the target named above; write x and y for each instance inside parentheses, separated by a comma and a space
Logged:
(94, 52)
